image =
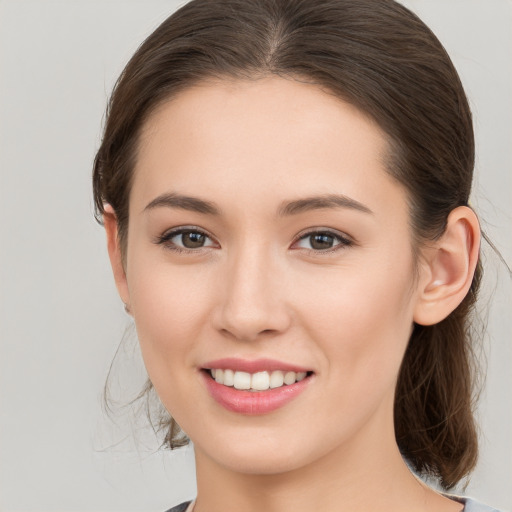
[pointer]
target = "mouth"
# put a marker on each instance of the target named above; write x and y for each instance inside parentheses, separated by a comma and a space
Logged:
(256, 382)
(254, 387)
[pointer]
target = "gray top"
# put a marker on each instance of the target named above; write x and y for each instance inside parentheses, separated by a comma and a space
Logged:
(180, 508)
(470, 505)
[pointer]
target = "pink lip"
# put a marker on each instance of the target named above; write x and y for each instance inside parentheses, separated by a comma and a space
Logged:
(249, 402)
(254, 366)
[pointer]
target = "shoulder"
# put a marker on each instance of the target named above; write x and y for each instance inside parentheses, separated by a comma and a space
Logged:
(182, 507)
(471, 505)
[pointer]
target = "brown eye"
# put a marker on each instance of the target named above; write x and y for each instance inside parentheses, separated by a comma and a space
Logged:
(192, 239)
(319, 241)
(183, 239)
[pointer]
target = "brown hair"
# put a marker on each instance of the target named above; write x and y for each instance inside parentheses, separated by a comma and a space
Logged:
(381, 58)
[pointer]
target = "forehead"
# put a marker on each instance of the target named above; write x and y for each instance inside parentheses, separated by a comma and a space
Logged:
(260, 139)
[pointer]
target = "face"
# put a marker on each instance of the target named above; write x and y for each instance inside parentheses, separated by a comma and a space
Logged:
(266, 240)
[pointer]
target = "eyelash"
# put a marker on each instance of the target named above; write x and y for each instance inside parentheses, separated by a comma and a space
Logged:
(343, 241)
(165, 240)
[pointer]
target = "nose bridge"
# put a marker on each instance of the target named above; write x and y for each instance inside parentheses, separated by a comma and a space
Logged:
(252, 298)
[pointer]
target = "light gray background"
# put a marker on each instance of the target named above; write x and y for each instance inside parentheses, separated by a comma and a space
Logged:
(60, 317)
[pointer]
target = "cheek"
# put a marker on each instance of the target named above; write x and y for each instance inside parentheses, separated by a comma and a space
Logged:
(170, 306)
(362, 318)
(362, 348)
(170, 310)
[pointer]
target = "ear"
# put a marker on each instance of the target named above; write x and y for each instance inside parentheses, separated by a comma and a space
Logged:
(448, 267)
(115, 254)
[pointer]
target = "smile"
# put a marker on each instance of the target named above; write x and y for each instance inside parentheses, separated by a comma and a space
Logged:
(254, 387)
(260, 381)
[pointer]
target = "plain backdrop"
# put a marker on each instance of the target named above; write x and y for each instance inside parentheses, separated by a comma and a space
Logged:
(60, 318)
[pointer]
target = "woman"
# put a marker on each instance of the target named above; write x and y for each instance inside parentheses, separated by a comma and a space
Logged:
(284, 185)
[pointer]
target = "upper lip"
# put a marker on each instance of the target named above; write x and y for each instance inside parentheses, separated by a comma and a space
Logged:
(254, 365)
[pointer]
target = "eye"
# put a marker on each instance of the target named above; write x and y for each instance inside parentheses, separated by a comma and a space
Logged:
(185, 239)
(322, 241)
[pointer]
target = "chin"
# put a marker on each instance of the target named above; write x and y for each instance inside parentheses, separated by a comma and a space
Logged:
(262, 453)
(262, 463)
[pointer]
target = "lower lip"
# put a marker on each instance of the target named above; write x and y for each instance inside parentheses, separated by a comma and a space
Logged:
(257, 402)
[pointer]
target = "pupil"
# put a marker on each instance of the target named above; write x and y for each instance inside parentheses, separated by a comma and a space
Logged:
(192, 240)
(321, 241)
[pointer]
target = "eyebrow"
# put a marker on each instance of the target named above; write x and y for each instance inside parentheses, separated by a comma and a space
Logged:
(195, 204)
(327, 201)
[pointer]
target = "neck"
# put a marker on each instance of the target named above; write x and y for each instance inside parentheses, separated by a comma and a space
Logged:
(347, 478)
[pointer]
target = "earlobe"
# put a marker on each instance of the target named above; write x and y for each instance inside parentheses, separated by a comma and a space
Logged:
(448, 268)
(115, 253)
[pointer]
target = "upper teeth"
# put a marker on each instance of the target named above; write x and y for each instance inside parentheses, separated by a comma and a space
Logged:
(259, 381)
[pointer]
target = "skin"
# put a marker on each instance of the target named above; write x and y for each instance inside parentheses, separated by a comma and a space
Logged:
(258, 288)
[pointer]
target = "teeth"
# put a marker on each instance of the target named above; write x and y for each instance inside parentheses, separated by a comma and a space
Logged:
(242, 380)
(276, 379)
(229, 378)
(289, 377)
(260, 381)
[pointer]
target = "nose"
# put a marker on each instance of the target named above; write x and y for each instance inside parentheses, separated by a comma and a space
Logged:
(253, 302)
